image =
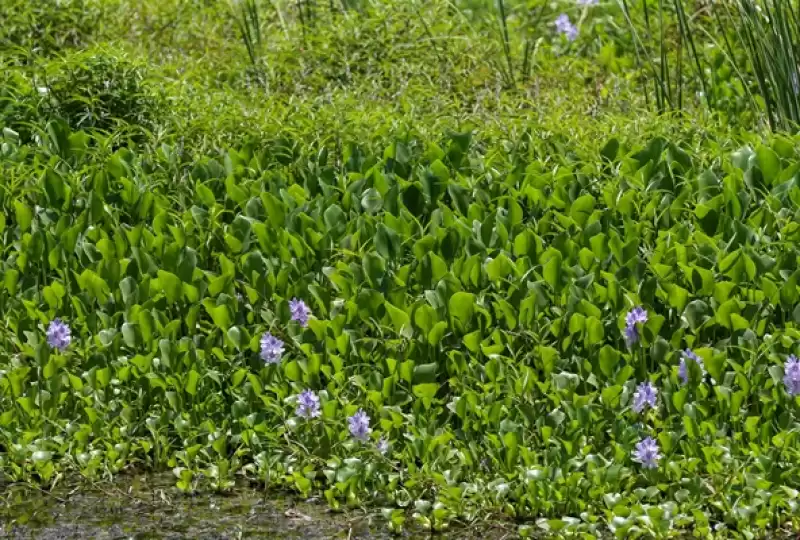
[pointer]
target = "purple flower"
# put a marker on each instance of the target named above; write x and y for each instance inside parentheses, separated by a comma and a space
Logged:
(564, 26)
(791, 375)
(58, 335)
(308, 405)
(359, 425)
(631, 334)
(382, 445)
(271, 348)
(300, 311)
(646, 394)
(646, 453)
(683, 367)
(637, 315)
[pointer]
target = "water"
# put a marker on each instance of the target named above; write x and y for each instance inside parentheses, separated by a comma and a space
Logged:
(150, 507)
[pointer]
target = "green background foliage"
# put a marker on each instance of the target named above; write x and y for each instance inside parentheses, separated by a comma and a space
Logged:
(468, 202)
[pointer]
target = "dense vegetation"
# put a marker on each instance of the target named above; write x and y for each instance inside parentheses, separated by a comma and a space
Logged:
(459, 261)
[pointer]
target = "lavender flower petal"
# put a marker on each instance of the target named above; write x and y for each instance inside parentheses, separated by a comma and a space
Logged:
(647, 453)
(791, 377)
(359, 425)
(271, 348)
(300, 311)
(646, 395)
(59, 335)
(308, 405)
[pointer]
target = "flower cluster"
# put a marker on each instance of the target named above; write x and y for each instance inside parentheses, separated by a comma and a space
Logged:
(299, 311)
(647, 453)
(635, 317)
(646, 395)
(359, 425)
(565, 27)
(58, 335)
(308, 405)
(271, 348)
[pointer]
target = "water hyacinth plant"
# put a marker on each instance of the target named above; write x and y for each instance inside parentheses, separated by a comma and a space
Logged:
(635, 317)
(359, 425)
(299, 311)
(308, 405)
(382, 445)
(791, 377)
(646, 395)
(565, 27)
(59, 335)
(271, 348)
(647, 453)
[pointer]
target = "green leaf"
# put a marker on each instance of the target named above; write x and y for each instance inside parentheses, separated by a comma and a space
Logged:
(472, 341)
(387, 243)
(400, 319)
(769, 163)
(552, 269)
(372, 201)
(425, 391)
(594, 331)
(609, 358)
(23, 214)
(191, 382)
(334, 217)
(171, 285)
(581, 209)
(461, 308)
(219, 314)
(437, 333)
(679, 398)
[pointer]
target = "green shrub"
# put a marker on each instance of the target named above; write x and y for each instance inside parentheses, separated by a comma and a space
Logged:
(47, 27)
(98, 89)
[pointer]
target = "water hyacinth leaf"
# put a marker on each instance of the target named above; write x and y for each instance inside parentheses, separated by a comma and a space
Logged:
(611, 395)
(547, 357)
(23, 215)
(425, 392)
(292, 371)
(551, 270)
(610, 150)
(219, 314)
(387, 243)
(425, 317)
(170, 285)
(191, 382)
(769, 163)
(334, 218)
(695, 314)
(581, 209)
(461, 308)
(400, 319)
(129, 335)
(372, 201)
(609, 359)
(499, 267)
(679, 398)
(437, 333)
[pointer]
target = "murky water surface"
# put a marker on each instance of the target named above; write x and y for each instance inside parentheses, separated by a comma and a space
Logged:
(150, 507)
